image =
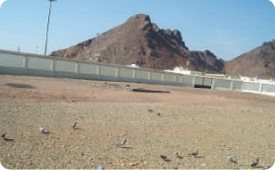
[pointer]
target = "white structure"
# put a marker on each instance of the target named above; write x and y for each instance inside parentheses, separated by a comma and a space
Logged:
(133, 65)
(245, 78)
(179, 70)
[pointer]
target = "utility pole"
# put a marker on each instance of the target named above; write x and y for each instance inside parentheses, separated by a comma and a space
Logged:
(48, 23)
(96, 55)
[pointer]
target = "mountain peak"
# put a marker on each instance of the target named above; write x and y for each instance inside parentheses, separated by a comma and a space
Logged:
(139, 18)
(139, 41)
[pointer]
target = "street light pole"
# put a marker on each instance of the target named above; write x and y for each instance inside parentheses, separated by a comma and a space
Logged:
(48, 23)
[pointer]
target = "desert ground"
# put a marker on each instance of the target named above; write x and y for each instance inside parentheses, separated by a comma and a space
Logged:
(215, 123)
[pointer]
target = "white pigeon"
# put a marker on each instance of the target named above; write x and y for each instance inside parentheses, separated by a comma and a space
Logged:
(42, 129)
(73, 126)
(121, 143)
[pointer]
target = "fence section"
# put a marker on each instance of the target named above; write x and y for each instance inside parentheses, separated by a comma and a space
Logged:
(221, 84)
(30, 64)
(237, 85)
(251, 87)
(268, 88)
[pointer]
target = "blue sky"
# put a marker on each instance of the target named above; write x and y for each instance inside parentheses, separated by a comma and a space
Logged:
(226, 27)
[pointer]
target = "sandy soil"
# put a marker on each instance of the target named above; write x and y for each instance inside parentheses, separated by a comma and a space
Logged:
(216, 123)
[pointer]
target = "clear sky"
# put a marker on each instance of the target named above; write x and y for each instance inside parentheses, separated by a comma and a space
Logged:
(228, 28)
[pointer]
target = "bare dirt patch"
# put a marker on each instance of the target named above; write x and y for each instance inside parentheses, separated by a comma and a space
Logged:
(216, 123)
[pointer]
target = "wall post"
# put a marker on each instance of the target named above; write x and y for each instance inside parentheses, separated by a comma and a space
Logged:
(25, 64)
(213, 84)
(98, 71)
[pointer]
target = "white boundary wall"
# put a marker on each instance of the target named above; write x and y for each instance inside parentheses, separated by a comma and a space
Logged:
(37, 65)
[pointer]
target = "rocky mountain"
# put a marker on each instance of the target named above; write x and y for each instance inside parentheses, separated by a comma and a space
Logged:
(258, 62)
(139, 41)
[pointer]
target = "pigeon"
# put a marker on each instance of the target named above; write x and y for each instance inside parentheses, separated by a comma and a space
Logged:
(121, 143)
(73, 126)
(159, 114)
(176, 154)
(194, 153)
(255, 163)
(3, 135)
(267, 167)
(98, 167)
(163, 157)
(42, 129)
(230, 158)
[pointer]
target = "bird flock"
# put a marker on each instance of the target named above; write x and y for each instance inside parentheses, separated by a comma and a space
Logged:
(163, 157)
(253, 165)
(195, 153)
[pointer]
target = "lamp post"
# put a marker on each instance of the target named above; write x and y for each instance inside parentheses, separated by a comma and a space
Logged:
(48, 23)
(96, 55)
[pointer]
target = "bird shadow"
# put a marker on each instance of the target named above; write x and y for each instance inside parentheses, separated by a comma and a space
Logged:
(167, 160)
(198, 157)
(46, 133)
(77, 128)
(10, 140)
(180, 157)
(125, 147)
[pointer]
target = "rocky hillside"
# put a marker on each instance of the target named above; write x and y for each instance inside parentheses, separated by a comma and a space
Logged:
(258, 62)
(139, 41)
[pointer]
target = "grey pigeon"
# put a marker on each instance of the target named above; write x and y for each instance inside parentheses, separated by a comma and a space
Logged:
(73, 126)
(98, 167)
(163, 157)
(3, 135)
(267, 167)
(42, 129)
(255, 163)
(176, 154)
(194, 153)
(121, 143)
(230, 158)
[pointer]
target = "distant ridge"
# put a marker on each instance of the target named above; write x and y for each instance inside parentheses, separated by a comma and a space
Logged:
(258, 62)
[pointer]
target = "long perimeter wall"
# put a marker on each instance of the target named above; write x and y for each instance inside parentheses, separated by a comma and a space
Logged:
(37, 65)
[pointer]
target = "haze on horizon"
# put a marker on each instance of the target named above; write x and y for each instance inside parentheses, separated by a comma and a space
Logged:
(228, 28)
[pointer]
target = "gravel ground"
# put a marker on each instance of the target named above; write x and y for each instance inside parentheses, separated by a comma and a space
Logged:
(216, 123)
